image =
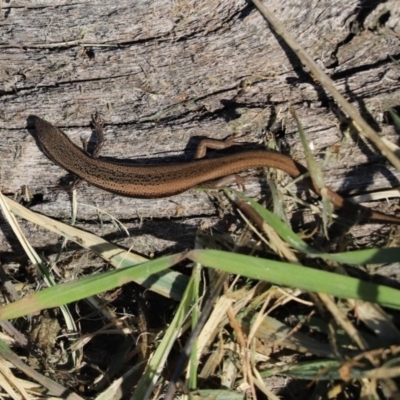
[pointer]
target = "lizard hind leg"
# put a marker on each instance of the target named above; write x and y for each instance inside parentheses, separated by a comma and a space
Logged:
(217, 144)
(225, 181)
(213, 144)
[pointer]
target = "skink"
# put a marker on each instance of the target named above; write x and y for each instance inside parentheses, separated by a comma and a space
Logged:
(153, 181)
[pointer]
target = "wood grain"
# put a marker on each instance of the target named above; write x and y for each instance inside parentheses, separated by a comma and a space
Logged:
(162, 73)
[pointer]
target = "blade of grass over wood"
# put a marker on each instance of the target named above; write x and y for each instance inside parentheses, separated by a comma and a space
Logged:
(282, 229)
(355, 257)
(315, 172)
(298, 276)
(156, 364)
(360, 124)
(167, 283)
(312, 166)
(88, 286)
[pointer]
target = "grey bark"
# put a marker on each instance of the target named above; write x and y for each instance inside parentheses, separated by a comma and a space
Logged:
(162, 72)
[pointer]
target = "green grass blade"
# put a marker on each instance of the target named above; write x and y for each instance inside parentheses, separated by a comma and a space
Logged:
(72, 291)
(167, 283)
(153, 370)
(304, 278)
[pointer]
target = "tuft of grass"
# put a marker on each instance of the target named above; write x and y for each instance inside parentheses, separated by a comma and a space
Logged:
(265, 285)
